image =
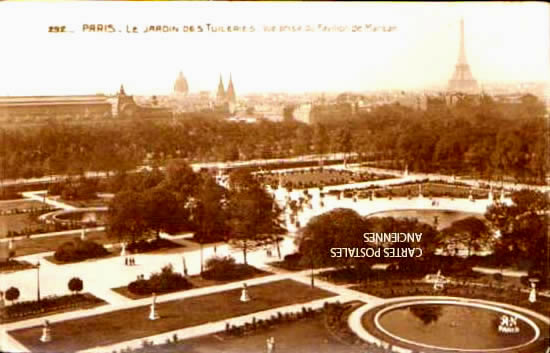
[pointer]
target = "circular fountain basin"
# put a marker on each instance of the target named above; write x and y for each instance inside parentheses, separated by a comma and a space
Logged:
(90, 215)
(440, 324)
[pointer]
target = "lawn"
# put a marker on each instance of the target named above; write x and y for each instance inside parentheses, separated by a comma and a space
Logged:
(46, 244)
(21, 205)
(124, 325)
(197, 281)
(304, 336)
(99, 202)
(18, 223)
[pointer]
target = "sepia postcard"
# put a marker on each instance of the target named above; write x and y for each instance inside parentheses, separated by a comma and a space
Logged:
(274, 177)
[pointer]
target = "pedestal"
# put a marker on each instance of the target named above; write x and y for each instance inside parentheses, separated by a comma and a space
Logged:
(46, 335)
(244, 295)
(153, 314)
(533, 295)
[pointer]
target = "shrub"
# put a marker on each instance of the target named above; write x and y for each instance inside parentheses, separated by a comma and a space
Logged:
(75, 285)
(161, 282)
(225, 268)
(12, 294)
(150, 245)
(293, 257)
(498, 276)
(79, 250)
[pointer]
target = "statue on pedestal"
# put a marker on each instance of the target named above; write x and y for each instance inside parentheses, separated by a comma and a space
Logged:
(533, 292)
(244, 294)
(123, 251)
(439, 281)
(153, 314)
(46, 332)
(83, 234)
(470, 196)
(270, 342)
(491, 196)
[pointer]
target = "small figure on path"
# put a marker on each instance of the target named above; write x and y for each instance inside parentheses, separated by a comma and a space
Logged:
(126, 261)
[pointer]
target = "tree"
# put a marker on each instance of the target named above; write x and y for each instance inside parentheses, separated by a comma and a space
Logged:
(523, 229)
(162, 211)
(127, 216)
(75, 285)
(181, 178)
(12, 294)
(471, 232)
(320, 140)
(339, 228)
(288, 113)
(253, 213)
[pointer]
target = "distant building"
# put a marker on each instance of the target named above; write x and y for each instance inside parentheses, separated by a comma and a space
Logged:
(462, 80)
(303, 113)
(226, 100)
(128, 108)
(28, 108)
(181, 86)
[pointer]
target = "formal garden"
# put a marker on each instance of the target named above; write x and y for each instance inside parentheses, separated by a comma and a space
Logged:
(113, 327)
(316, 177)
(426, 188)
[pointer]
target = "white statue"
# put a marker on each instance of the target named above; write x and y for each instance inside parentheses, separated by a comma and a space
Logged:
(153, 314)
(270, 342)
(244, 294)
(46, 332)
(123, 251)
(533, 293)
(83, 234)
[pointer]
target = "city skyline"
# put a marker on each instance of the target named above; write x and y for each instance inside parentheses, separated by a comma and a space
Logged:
(504, 42)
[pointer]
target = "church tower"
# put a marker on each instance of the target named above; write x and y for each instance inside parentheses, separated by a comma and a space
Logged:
(462, 80)
(181, 86)
(220, 96)
(231, 97)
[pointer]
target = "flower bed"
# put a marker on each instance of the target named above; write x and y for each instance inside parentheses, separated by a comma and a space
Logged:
(14, 265)
(47, 305)
(412, 189)
(310, 178)
(462, 288)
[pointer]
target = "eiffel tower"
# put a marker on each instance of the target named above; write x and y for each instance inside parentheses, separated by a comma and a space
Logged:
(462, 80)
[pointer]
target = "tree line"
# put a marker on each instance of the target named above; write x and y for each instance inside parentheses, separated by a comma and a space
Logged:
(487, 139)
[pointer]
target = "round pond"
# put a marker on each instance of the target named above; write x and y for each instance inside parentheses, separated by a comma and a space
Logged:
(96, 216)
(456, 326)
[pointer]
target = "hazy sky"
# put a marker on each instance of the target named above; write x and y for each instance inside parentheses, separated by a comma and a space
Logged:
(504, 42)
